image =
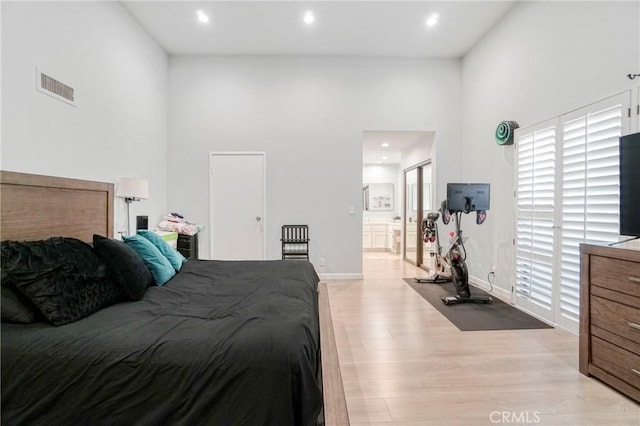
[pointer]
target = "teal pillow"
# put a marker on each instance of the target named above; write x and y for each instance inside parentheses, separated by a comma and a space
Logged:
(173, 256)
(160, 268)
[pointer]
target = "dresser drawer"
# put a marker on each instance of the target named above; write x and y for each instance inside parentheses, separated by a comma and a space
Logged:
(616, 361)
(188, 248)
(615, 274)
(615, 317)
(186, 253)
(184, 244)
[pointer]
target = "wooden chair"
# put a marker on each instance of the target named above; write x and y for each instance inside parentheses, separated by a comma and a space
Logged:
(295, 242)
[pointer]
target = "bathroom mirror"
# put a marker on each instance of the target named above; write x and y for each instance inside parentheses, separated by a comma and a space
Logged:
(377, 197)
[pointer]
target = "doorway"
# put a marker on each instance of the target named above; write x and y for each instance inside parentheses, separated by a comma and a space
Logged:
(237, 205)
(386, 156)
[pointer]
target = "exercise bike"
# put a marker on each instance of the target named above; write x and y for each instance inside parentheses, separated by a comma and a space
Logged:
(430, 234)
(452, 265)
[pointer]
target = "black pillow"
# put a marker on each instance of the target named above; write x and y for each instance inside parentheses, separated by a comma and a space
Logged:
(124, 266)
(62, 277)
(15, 307)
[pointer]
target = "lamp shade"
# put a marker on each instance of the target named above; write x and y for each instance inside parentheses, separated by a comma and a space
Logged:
(133, 188)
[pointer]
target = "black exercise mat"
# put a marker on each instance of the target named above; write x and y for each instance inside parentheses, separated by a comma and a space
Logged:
(475, 316)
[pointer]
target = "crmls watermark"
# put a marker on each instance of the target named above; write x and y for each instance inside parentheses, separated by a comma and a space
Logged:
(515, 417)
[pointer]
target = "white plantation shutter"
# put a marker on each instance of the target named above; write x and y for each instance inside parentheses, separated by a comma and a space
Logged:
(590, 193)
(535, 208)
(567, 181)
(574, 180)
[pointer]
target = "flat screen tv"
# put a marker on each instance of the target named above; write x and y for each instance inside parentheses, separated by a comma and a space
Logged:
(467, 197)
(630, 185)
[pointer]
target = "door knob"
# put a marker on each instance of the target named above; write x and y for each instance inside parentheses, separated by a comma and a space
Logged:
(258, 218)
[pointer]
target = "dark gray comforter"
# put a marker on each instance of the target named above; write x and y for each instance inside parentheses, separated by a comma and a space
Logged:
(222, 343)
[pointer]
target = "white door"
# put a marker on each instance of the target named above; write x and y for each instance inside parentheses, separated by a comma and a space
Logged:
(237, 187)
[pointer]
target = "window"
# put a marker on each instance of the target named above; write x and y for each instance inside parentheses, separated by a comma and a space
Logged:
(567, 193)
(535, 200)
(590, 194)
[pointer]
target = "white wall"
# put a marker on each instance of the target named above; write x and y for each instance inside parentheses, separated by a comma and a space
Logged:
(542, 60)
(119, 74)
(308, 115)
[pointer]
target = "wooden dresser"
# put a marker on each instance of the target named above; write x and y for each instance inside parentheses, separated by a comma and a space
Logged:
(610, 316)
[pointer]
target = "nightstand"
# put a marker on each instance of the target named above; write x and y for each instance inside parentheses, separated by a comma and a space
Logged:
(188, 245)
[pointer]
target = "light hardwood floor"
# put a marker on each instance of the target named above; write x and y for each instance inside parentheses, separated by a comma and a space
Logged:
(403, 363)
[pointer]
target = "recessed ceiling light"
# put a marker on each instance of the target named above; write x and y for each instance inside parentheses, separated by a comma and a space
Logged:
(378, 162)
(309, 18)
(433, 19)
(385, 145)
(202, 17)
(385, 158)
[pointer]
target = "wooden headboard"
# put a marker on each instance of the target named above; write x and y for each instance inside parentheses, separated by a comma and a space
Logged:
(35, 207)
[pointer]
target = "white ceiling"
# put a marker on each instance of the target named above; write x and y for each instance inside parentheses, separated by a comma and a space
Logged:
(377, 28)
(344, 27)
(400, 142)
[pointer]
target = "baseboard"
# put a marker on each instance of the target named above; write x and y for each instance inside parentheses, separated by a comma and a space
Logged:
(496, 291)
(335, 277)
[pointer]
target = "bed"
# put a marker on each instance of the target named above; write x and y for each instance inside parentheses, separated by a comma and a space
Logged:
(221, 342)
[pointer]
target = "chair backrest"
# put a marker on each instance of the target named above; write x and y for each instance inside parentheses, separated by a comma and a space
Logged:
(295, 233)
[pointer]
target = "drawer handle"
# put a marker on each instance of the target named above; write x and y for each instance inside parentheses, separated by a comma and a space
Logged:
(635, 371)
(634, 325)
(635, 279)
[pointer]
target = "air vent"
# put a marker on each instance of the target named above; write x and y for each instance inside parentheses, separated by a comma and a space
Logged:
(55, 88)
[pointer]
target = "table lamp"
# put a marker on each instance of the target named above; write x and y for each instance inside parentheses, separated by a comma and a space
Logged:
(132, 189)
